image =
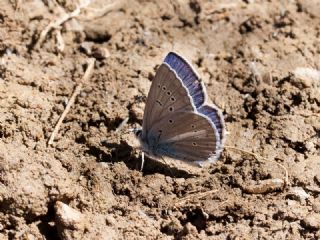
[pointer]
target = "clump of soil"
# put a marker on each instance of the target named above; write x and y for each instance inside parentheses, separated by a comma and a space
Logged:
(88, 185)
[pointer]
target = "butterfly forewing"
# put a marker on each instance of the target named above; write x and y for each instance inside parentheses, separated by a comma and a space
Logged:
(188, 76)
(167, 95)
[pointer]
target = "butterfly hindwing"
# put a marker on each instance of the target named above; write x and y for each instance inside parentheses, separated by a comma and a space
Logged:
(186, 136)
(215, 115)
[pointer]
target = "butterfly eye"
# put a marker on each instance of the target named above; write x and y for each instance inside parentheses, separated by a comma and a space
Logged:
(170, 109)
(173, 99)
(137, 132)
(164, 88)
(169, 93)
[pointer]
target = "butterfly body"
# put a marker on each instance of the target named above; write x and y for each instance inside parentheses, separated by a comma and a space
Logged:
(178, 123)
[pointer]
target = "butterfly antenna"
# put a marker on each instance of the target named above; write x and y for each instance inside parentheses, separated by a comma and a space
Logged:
(122, 125)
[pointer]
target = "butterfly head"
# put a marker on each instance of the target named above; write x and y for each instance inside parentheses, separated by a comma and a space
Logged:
(143, 144)
(137, 132)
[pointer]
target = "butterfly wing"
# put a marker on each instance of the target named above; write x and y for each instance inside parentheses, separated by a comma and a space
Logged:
(214, 114)
(167, 94)
(187, 136)
(177, 122)
(188, 76)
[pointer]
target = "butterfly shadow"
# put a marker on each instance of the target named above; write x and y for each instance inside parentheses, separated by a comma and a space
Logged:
(152, 166)
(111, 152)
(123, 152)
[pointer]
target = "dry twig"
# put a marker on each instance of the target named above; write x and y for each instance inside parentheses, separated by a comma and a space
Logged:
(265, 186)
(94, 12)
(72, 99)
(60, 42)
(60, 20)
(193, 196)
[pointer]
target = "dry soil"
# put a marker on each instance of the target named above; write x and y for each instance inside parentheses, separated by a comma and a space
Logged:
(260, 62)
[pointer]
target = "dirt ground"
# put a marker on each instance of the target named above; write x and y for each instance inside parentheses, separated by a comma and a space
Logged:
(260, 61)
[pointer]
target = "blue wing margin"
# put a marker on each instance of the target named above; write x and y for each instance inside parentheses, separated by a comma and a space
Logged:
(216, 117)
(188, 76)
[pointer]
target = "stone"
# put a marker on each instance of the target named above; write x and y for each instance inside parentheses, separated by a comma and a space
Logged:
(312, 221)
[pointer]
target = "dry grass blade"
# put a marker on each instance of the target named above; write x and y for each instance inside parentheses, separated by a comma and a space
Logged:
(72, 99)
(60, 42)
(60, 20)
(96, 12)
(193, 196)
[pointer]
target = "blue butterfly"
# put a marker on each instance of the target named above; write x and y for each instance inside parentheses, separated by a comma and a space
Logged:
(178, 121)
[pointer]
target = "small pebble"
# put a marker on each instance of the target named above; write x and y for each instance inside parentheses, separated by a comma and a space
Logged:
(87, 47)
(291, 203)
(312, 221)
(100, 52)
(137, 111)
(111, 221)
(310, 146)
(68, 217)
(305, 77)
(189, 229)
(317, 178)
(316, 205)
(298, 193)
(95, 51)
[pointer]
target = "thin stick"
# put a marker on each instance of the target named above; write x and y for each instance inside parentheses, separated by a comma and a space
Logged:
(264, 186)
(56, 23)
(99, 12)
(257, 157)
(60, 42)
(194, 196)
(72, 99)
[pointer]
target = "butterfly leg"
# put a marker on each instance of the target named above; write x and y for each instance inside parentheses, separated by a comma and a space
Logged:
(142, 161)
(168, 165)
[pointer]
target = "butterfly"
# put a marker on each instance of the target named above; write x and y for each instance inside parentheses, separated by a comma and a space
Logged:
(178, 121)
